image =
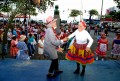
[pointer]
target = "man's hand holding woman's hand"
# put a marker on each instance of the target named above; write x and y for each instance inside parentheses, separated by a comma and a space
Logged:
(65, 39)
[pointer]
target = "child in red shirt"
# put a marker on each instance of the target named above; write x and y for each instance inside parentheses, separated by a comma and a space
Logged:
(102, 46)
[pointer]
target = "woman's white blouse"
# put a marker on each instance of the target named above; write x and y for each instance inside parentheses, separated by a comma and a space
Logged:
(82, 37)
(40, 50)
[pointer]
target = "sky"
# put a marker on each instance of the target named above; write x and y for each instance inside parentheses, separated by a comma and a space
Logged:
(65, 7)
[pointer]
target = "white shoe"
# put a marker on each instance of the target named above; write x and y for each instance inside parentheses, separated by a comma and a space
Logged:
(96, 58)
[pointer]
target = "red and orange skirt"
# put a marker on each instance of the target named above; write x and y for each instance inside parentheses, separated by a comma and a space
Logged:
(77, 53)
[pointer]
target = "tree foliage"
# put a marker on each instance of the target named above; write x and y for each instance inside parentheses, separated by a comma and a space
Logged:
(115, 15)
(75, 13)
(92, 12)
(118, 3)
(118, 15)
(26, 7)
(107, 16)
(5, 8)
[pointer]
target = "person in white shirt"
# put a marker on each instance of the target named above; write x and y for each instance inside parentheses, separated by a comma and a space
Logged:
(9, 37)
(40, 46)
(80, 51)
(35, 30)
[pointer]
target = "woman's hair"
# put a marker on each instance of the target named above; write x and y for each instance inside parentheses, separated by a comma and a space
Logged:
(23, 32)
(118, 35)
(14, 37)
(83, 23)
(30, 35)
(41, 36)
(103, 34)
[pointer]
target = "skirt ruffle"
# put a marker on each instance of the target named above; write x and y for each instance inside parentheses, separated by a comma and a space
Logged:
(80, 55)
(100, 53)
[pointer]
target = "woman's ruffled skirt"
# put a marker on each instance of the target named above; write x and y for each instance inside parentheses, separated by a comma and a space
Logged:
(77, 53)
(100, 53)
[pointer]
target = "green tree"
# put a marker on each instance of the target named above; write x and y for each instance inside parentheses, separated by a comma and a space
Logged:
(118, 15)
(115, 15)
(118, 3)
(26, 7)
(74, 13)
(92, 13)
(21, 7)
(108, 16)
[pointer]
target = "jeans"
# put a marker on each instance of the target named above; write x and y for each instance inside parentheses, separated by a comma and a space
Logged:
(31, 49)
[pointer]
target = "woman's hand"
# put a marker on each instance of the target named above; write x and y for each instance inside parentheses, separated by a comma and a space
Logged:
(65, 39)
(87, 49)
(60, 50)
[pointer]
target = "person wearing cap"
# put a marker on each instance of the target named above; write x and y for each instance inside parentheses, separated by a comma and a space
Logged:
(102, 46)
(23, 50)
(116, 45)
(80, 51)
(51, 44)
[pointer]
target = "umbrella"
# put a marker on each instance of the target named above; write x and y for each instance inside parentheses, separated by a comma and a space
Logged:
(21, 16)
(3, 16)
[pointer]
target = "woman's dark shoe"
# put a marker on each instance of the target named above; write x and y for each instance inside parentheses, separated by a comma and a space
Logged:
(76, 72)
(51, 75)
(82, 73)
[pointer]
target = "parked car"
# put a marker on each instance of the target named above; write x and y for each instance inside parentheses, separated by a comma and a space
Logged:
(40, 22)
(63, 22)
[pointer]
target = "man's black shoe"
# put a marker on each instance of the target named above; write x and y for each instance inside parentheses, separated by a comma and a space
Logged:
(51, 75)
(58, 72)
